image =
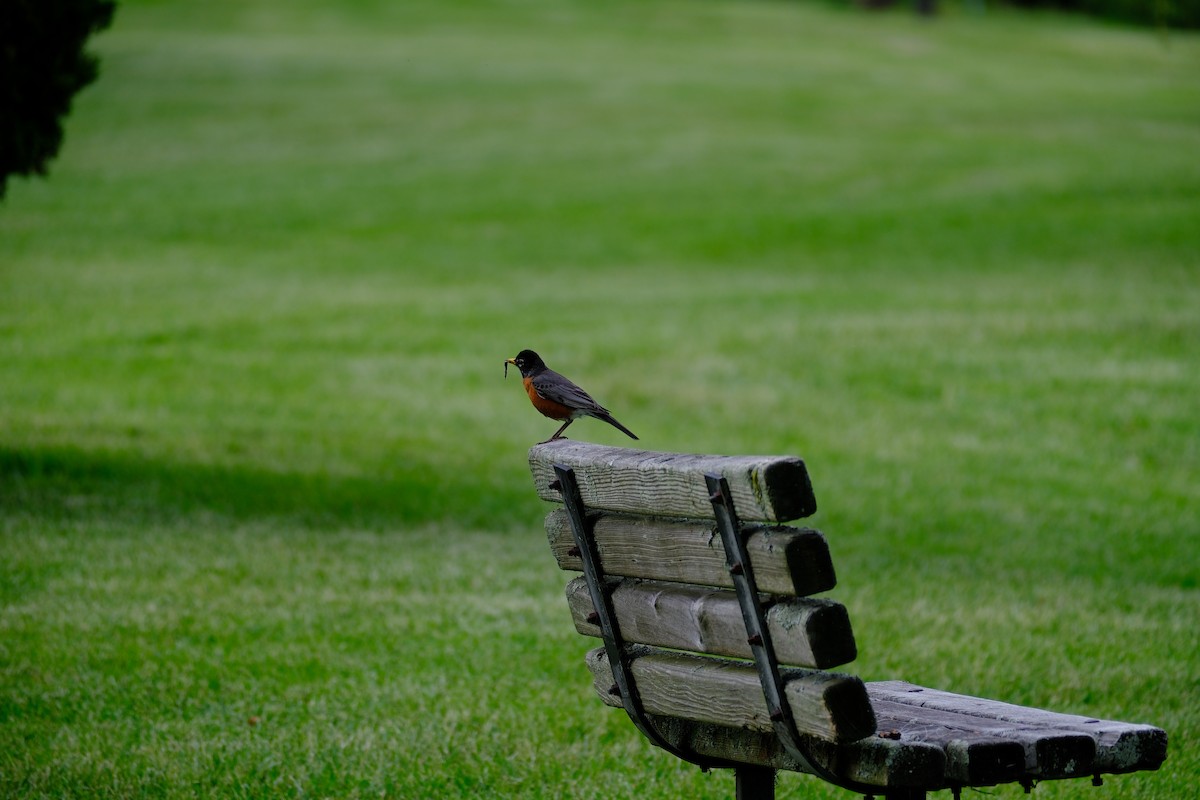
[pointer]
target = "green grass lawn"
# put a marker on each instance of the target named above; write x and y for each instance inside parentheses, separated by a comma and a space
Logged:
(266, 527)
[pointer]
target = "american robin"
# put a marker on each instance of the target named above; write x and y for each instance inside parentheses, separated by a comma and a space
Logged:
(555, 396)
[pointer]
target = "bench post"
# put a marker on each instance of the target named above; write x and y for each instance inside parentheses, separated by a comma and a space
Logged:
(754, 783)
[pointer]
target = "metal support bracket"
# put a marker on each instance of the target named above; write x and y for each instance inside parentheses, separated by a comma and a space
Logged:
(614, 646)
(759, 637)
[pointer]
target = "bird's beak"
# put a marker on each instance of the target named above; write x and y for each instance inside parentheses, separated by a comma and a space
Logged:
(508, 361)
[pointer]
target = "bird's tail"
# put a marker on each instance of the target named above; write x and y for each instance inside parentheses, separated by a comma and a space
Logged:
(612, 421)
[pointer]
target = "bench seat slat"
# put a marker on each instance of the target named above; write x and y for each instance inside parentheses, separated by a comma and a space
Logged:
(787, 561)
(872, 760)
(1120, 746)
(765, 488)
(983, 752)
(806, 632)
(972, 758)
(826, 705)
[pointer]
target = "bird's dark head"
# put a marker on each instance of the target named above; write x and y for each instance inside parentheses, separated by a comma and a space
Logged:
(527, 361)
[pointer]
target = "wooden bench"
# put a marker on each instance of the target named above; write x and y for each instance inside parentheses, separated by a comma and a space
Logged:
(700, 595)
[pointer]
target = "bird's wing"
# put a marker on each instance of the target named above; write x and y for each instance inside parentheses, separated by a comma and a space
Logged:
(553, 386)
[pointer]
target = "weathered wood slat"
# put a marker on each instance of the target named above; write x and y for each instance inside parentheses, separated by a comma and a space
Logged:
(930, 751)
(925, 755)
(981, 752)
(826, 705)
(787, 561)
(1120, 746)
(873, 761)
(764, 488)
(806, 632)
(1046, 750)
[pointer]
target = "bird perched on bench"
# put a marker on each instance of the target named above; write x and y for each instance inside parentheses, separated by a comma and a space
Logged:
(556, 396)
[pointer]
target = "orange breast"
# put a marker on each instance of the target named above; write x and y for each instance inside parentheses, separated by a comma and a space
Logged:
(548, 408)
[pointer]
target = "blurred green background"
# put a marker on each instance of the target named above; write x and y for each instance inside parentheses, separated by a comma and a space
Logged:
(266, 526)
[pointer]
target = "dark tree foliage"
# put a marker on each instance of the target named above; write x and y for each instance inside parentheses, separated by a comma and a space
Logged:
(42, 66)
(1160, 13)
(1164, 13)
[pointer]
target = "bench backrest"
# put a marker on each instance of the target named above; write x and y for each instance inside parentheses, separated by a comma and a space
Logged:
(667, 574)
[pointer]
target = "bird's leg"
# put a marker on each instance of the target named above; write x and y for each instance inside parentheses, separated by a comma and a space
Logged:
(559, 432)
